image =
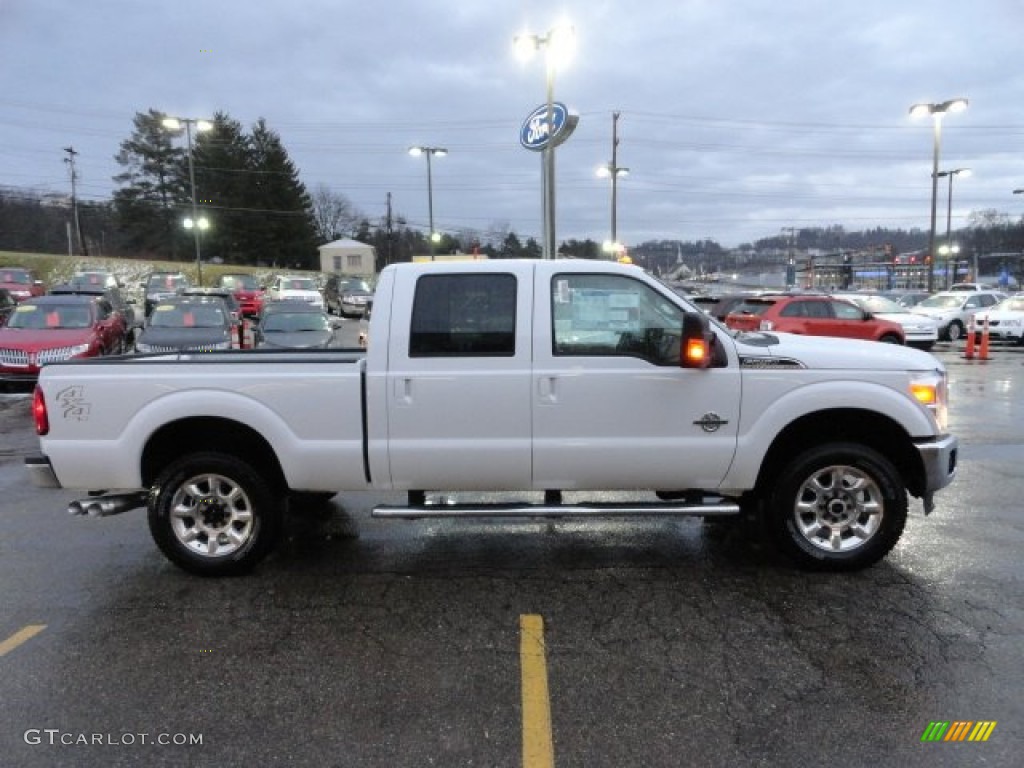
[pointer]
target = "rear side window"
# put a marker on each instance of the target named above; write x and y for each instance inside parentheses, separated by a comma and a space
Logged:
(464, 315)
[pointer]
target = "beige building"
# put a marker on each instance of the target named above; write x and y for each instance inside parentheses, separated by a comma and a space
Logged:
(348, 257)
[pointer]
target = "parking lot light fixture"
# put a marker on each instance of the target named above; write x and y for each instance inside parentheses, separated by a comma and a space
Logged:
(965, 172)
(174, 124)
(937, 111)
(559, 46)
(433, 237)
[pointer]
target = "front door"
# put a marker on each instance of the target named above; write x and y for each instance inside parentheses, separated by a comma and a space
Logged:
(609, 410)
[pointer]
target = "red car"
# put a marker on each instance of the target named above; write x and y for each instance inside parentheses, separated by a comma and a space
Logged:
(247, 291)
(813, 316)
(22, 283)
(49, 329)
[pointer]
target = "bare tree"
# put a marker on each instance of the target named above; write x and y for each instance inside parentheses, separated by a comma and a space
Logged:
(333, 214)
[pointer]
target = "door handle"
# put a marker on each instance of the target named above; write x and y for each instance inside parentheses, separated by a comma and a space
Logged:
(547, 389)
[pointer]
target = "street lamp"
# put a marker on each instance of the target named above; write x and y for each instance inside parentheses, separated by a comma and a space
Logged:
(429, 152)
(613, 171)
(558, 44)
(936, 111)
(965, 172)
(196, 223)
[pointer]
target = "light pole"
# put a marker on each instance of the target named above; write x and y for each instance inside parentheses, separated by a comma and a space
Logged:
(936, 111)
(197, 222)
(429, 152)
(613, 171)
(950, 248)
(558, 45)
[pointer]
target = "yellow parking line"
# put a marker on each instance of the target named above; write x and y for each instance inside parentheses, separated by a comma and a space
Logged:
(23, 635)
(538, 746)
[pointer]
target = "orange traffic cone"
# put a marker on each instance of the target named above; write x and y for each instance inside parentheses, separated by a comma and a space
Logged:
(983, 349)
(969, 349)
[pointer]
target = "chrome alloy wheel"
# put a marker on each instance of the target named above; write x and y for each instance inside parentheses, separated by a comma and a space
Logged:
(211, 515)
(838, 508)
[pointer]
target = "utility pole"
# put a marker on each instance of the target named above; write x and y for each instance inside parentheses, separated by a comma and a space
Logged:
(390, 234)
(70, 160)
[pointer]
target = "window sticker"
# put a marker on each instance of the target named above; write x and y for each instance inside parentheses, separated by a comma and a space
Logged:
(562, 291)
(26, 308)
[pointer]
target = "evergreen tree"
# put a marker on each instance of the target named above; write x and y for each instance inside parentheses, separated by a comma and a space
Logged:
(221, 157)
(145, 205)
(281, 224)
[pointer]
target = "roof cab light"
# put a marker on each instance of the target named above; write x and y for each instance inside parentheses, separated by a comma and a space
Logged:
(42, 421)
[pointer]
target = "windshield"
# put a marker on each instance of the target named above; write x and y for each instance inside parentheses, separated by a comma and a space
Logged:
(877, 305)
(240, 283)
(298, 284)
(1013, 304)
(295, 322)
(187, 316)
(356, 286)
(15, 276)
(52, 316)
(944, 302)
(166, 282)
(751, 307)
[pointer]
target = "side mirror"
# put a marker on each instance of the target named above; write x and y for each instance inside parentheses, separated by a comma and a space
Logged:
(697, 337)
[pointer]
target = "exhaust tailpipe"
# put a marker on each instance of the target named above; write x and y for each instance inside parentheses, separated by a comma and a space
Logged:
(105, 506)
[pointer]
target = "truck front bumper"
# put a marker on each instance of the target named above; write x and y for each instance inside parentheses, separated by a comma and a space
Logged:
(939, 458)
(40, 472)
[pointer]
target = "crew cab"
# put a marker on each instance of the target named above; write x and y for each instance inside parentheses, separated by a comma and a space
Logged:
(535, 377)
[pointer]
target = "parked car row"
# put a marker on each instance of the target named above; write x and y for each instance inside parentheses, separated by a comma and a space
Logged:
(914, 318)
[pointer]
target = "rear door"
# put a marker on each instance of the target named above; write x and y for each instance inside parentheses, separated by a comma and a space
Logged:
(458, 380)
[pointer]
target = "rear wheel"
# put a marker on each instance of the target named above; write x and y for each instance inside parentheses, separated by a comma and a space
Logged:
(212, 514)
(839, 507)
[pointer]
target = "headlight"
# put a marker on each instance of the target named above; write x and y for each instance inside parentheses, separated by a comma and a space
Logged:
(142, 347)
(930, 388)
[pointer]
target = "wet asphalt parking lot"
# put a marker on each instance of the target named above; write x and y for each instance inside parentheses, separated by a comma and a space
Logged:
(388, 643)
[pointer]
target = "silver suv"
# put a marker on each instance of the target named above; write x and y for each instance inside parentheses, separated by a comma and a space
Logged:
(953, 309)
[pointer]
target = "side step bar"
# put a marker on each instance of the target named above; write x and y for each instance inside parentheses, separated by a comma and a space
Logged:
(601, 509)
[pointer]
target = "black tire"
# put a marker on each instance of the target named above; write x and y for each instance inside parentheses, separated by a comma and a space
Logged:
(891, 338)
(213, 515)
(954, 331)
(837, 507)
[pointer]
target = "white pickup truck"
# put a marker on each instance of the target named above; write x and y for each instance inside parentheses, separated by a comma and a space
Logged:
(539, 377)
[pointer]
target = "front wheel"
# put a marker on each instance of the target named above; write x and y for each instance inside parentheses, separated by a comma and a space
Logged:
(955, 331)
(838, 507)
(891, 338)
(213, 515)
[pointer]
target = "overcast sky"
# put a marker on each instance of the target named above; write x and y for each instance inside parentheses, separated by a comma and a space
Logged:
(739, 118)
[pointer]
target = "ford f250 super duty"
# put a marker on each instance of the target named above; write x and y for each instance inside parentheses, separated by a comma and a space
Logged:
(539, 377)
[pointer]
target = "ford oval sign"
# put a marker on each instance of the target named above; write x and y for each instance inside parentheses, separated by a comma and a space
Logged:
(534, 133)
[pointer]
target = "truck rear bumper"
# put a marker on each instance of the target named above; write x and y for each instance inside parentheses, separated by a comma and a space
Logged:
(40, 472)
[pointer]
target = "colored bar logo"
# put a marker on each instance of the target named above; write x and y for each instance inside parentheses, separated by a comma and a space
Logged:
(958, 730)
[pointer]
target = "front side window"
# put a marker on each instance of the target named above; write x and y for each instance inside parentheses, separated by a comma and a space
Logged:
(613, 316)
(464, 315)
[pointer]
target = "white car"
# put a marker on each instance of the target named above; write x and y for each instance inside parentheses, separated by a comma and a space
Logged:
(1005, 320)
(953, 309)
(295, 288)
(919, 330)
